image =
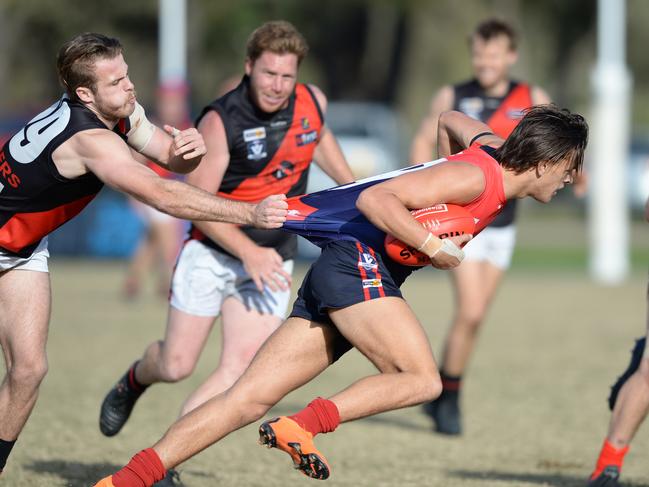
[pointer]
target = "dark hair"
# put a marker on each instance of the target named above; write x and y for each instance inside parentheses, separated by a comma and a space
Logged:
(490, 28)
(279, 37)
(77, 57)
(545, 134)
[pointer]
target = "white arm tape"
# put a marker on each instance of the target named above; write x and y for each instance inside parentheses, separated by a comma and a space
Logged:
(141, 129)
(451, 249)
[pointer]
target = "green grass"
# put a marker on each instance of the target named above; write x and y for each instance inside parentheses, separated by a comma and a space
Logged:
(534, 399)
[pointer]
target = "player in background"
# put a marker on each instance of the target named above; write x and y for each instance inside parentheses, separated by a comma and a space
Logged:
(351, 297)
(161, 237)
(629, 403)
(52, 168)
(261, 139)
(496, 99)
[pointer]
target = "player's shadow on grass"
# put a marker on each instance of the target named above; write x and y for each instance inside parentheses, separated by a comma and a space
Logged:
(77, 474)
(74, 474)
(552, 479)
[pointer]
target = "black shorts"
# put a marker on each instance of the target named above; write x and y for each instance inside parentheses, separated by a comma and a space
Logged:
(346, 273)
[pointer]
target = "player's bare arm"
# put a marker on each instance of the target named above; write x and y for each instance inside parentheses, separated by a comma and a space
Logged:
(424, 144)
(328, 154)
(264, 265)
(105, 154)
(456, 131)
(387, 204)
(179, 151)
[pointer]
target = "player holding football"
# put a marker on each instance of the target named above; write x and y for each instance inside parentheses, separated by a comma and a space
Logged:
(491, 96)
(629, 401)
(52, 168)
(351, 297)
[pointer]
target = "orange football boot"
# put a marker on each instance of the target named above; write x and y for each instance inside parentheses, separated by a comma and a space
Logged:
(105, 482)
(288, 436)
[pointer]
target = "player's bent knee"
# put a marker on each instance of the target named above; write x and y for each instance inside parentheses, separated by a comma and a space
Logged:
(426, 387)
(175, 369)
(28, 374)
(251, 408)
(471, 320)
(433, 388)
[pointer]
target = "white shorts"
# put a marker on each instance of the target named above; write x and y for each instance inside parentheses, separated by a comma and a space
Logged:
(35, 262)
(494, 245)
(204, 278)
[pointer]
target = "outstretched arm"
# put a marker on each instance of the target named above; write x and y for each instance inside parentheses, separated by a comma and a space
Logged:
(263, 264)
(103, 153)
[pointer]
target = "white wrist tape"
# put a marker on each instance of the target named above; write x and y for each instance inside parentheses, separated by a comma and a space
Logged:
(421, 247)
(141, 129)
(450, 248)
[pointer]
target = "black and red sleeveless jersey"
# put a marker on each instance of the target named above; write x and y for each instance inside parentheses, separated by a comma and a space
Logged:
(270, 153)
(34, 198)
(501, 113)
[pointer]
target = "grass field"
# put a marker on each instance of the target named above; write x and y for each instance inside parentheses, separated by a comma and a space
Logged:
(535, 398)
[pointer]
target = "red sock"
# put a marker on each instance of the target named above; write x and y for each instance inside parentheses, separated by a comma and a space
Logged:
(144, 470)
(609, 456)
(320, 416)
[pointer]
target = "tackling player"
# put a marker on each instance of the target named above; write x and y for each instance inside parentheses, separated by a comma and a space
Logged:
(52, 168)
(351, 298)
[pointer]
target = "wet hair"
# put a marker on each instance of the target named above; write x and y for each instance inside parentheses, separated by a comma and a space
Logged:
(545, 134)
(492, 28)
(77, 57)
(279, 37)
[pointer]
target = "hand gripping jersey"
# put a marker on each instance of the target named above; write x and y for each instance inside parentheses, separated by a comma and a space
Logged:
(34, 198)
(501, 113)
(331, 214)
(270, 153)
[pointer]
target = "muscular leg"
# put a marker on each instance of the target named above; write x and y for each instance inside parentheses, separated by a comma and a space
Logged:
(175, 357)
(475, 284)
(630, 410)
(24, 319)
(388, 333)
(244, 331)
(632, 403)
(297, 352)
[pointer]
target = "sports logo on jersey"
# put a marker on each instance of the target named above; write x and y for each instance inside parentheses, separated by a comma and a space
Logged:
(256, 150)
(367, 262)
(285, 169)
(305, 123)
(472, 107)
(372, 283)
(306, 138)
(257, 133)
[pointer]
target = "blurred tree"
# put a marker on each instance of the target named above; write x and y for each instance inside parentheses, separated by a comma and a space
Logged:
(398, 52)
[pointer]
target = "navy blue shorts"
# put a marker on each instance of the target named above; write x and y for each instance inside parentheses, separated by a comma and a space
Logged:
(346, 273)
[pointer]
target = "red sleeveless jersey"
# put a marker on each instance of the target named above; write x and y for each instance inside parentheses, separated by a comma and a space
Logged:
(270, 153)
(490, 202)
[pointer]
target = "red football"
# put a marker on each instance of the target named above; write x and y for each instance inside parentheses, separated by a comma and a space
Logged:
(441, 220)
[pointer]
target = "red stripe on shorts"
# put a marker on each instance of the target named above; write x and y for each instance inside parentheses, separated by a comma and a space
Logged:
(366, 291)
(378, 274)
